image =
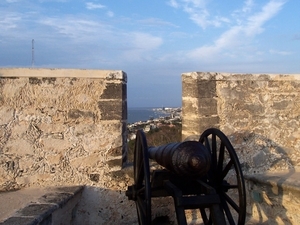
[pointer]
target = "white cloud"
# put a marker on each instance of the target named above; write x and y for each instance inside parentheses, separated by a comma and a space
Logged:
(91, 6)
(9, 22)
(229, 39)
(196, 3)
(240, 35)
(145, 41)
(156, 22)
(173, 3)
(248, 6)
(77, 29)
(98, 37)
(42, 1)
(140, 45)
(12, 1)
(277, 52)
(110, 14)
(11, 25)
(241, 13)
(199, 13)
(255, 22)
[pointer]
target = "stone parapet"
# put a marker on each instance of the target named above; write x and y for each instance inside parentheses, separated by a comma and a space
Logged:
(274, 197)
(44, 206)
(258, 112)
(61, 127)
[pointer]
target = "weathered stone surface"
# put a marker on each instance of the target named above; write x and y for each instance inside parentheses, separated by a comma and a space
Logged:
(260, 115)
(198, 89)
(20, 220)
(260, 112)
(114, 91)
(111, 110)
(60, 127)
(40, 206)
(274, 197)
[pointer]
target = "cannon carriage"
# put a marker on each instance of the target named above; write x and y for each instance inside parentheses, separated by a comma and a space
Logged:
(204, 175)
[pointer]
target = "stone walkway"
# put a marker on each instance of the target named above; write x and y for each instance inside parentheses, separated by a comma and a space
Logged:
(34, 204)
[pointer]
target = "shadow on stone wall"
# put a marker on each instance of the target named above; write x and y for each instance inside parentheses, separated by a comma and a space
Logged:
(266, 202)
(259, 155)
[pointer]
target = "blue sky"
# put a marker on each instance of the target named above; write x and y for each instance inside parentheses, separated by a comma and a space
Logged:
(154, 42)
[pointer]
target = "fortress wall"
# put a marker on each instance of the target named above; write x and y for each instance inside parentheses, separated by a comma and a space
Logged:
(258, 112)
(61, 127)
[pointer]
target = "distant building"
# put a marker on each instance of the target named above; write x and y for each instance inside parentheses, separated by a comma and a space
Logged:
(147, 128)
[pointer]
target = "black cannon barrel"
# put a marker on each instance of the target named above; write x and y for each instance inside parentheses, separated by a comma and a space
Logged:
(189, 158)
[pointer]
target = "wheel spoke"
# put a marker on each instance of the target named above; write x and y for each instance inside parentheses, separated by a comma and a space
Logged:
(207, 145)
(225, 176)
(227, 212)
(214, 156)
(141, 206)
(140, 173)
(214, 144)
(221, 158)
(231, 202)
(226, 169)
(204, 216)
(142, 179)
(230, 186)
(141, 190)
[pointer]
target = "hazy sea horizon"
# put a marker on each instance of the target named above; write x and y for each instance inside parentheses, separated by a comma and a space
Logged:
(136, 114)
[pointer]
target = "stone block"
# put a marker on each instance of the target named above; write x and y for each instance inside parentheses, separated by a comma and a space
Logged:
(114, 91)
(199, 89)
(111, 110)
(199, 107)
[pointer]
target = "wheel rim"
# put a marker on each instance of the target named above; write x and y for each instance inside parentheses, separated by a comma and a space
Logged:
(142, 179)
(225, 175)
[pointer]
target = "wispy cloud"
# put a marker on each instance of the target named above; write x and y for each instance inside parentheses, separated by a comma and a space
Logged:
(248, 6)
(199, 13)
(75, 28)
(92, 6)
(52, 1)
(9, 22)
(99, 37)
(12, 1)
(140, 45)
(156, 22)
(110, 14)
(277, 52)
(173, 3)
(255, 22)
(239, 35)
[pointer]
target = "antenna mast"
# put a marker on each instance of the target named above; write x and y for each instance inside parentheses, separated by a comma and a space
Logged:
(32, 60)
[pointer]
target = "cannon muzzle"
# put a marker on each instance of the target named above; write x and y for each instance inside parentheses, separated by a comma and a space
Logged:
(190, 158)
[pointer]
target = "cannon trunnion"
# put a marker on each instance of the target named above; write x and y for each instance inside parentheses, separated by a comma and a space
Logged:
(204, 175)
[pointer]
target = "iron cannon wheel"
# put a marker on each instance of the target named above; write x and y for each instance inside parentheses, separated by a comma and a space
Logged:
(225, 175)
(142, 179)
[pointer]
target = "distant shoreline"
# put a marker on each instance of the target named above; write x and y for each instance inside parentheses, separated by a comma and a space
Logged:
(136, 114)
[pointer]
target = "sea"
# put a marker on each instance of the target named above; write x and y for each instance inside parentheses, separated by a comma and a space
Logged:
(144, 114)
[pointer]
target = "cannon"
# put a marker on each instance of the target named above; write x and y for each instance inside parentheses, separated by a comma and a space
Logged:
(202, 175)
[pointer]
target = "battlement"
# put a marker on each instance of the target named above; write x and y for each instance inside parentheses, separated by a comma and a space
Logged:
(260, 115)
(65, 127)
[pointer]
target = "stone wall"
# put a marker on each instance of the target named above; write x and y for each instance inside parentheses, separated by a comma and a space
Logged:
(65, 127)
(258, 112)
